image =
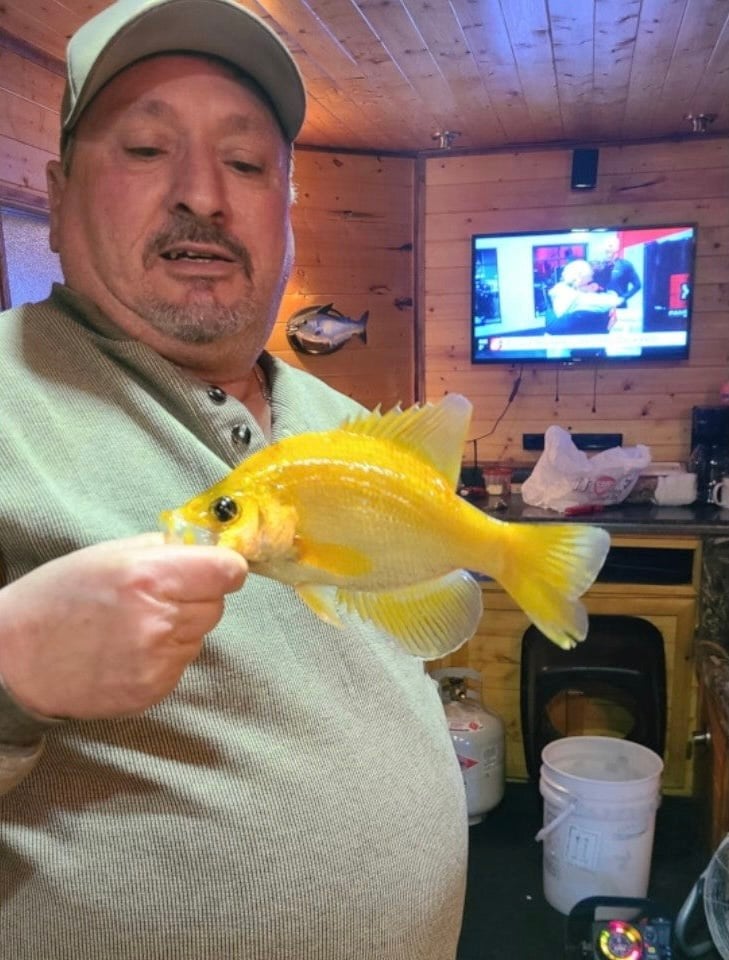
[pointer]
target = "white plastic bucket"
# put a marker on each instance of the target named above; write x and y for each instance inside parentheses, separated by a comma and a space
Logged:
(600, 800)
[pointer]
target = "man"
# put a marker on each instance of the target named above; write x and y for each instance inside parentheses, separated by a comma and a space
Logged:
(615, 273)
(191, 770)
(578, 307)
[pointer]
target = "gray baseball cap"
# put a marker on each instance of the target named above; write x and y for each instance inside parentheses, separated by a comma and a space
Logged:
(128, 30)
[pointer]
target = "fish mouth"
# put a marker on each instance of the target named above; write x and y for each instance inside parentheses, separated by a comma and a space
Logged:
(178, 530)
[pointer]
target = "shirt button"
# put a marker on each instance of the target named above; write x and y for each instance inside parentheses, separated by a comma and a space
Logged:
(241, 434)
(217, 394)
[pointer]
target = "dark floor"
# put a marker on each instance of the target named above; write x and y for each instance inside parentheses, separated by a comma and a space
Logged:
(506, 915)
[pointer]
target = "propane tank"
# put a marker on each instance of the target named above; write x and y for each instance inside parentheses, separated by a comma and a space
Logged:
(478, 738)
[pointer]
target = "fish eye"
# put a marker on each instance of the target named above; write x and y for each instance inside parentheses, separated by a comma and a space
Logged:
(224, 509)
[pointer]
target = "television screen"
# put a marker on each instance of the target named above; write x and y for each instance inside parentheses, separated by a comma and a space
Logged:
(576, 295)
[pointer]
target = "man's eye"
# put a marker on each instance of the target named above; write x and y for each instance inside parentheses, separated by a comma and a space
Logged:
(242, 166)
(145, 151)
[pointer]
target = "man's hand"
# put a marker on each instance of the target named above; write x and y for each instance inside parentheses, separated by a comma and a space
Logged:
(108, 630)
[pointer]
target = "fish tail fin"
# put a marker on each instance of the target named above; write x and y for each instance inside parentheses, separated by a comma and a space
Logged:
(546, 569)
(363, 320)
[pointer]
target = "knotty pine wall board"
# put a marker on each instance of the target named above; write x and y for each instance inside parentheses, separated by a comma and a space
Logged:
(29, 128)
(354, 227)
(538, 164)
(29, 80)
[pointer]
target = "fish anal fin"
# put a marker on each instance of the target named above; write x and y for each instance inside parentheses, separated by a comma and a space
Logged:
(434, 432)
(429, 619)
(321, 600)
(334, 558)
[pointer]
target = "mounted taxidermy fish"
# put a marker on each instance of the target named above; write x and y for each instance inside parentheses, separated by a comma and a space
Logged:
(322, 329)
(366, 517)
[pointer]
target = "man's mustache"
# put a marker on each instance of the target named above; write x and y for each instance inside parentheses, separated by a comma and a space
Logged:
(191, 229)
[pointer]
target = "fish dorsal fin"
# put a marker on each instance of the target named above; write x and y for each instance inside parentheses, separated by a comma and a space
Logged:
(436, 432)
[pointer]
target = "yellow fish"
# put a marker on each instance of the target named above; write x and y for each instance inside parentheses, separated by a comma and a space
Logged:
(366, 517)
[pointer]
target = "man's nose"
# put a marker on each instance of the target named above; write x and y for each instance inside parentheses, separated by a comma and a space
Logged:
(199, 185)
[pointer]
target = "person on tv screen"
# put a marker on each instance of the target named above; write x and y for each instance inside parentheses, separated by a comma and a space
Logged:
(613, 272)
(577, 305)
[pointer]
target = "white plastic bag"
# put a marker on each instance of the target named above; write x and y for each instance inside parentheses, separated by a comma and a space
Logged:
(565, 478)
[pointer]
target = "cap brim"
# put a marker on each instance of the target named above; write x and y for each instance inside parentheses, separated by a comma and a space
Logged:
(120, 35)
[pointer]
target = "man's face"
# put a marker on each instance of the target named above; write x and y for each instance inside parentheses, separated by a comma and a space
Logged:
(584, 277)
(174, 214)
(611, 249)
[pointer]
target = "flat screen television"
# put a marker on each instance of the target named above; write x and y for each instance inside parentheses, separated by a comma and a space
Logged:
(567, 296)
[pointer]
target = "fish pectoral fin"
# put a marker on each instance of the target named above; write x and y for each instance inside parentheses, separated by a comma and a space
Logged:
(428, 619)
(434, 432)
(322, 600)
(334, 558)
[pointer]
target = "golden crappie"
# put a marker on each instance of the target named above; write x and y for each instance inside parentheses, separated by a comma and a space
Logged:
(366, 516)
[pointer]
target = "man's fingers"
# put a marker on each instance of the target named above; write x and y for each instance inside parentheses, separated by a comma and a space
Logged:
(192, 620)
(192, 574)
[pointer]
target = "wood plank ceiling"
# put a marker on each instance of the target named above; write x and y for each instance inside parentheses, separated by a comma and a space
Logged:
(391, 75)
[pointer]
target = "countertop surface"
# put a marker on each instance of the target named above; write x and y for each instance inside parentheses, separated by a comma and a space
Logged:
(627, 518)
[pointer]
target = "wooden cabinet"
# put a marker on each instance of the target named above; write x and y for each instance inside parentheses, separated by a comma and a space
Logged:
(717, 779)
(654, 578)
(712, 749)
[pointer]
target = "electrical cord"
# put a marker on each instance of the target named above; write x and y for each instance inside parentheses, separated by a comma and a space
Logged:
(514, 390)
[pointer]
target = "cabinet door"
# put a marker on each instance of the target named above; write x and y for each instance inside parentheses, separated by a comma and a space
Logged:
(713, 772)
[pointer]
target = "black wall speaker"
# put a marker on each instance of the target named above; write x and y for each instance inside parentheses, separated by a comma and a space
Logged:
(584, 169)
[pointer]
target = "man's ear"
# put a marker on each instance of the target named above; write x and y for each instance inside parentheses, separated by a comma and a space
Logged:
(56, 182)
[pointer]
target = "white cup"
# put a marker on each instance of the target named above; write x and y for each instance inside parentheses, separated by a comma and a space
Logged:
(718, 496)
(675, 489)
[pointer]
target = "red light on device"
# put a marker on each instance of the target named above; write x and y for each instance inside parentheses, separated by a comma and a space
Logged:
(678, 291)
(620, 941)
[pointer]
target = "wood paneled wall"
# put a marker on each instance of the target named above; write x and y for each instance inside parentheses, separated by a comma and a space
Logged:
(510, 192)
(353, 223)
(30, 95)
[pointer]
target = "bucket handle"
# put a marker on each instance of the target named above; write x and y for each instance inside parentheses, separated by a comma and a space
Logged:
(553, 824)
